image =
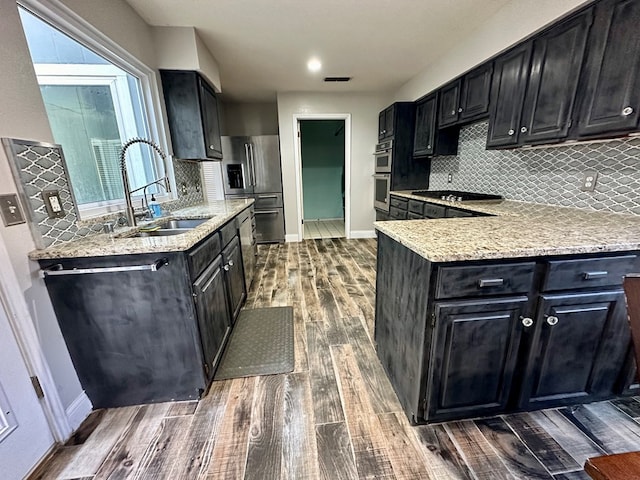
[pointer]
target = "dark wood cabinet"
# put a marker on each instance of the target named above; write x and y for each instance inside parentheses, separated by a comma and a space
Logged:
(475, 353)
(611, 91)
(192, 113)
(508, 89)
(579, 347)
(428, 139)
(425, 132)
(234, 277)
(146, 328)
(464, 339)
(553, 81)
(475, 94)
(386, 123)
(214, 318)
(450, 109)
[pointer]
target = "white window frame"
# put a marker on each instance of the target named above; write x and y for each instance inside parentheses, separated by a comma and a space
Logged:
(68, 22)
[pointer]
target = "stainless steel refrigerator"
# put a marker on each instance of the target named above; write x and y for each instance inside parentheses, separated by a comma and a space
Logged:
(251, 168)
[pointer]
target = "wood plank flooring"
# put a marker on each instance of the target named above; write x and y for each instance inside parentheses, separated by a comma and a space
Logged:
(336, 416)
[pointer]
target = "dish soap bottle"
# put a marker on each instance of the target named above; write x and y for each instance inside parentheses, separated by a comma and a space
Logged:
(154, 206)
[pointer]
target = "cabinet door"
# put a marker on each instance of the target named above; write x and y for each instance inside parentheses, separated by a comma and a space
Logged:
(555, 68)
(212, 309)
(611, 100)
(210, 121)
(234, 276)
(389, 121)
(424, 136)
(507, 93)
(475, 352)
(449, 104)
(579, 347)
(476, 92)
(382, 125)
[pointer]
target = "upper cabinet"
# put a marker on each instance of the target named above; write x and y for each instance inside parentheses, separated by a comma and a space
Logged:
(386, 123)
(427, 139)
(534, 85)
(192, 110)
(466, 98)
(611, 93)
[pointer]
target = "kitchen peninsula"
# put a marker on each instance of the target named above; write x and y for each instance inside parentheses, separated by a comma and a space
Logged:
(146, 312)
(519, 309)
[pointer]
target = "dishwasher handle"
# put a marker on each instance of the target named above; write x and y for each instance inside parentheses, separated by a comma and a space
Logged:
(58, 269)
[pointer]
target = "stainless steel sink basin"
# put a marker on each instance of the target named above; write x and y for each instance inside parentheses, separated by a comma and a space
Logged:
(184, 223)
(164, 232)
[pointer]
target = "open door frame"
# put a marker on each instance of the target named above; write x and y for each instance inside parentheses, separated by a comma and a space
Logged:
(347, 166)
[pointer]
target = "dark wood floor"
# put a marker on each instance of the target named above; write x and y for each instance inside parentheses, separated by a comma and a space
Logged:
(336, 416)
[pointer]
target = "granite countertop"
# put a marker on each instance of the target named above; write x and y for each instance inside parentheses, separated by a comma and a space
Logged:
(121, 243)
(518, 229)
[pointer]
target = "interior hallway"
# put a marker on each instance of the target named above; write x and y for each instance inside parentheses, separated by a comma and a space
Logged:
(336, 416)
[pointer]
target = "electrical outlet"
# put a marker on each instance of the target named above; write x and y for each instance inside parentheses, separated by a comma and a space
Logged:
(10, 210)
(53, 204)
(450, 178)
(589, 181)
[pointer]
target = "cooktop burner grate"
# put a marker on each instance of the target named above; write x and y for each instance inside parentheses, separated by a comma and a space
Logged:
(456, 196)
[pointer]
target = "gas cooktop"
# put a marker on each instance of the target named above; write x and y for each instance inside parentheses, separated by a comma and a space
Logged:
(455, 196)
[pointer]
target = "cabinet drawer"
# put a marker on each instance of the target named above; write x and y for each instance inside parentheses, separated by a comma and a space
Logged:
(268, 200)
(400, 203)
(432, 210)
(397, 214)
(587, 272)
(414, 216)
(242, 216)
(416, 206)
(203, 254)
(227, 233)
(454, 212)
(481, 280)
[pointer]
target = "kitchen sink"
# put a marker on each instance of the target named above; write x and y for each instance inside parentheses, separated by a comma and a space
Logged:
(164, 232)
(187, 223)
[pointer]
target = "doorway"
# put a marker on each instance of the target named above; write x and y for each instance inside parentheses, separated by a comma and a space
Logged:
(323, 173)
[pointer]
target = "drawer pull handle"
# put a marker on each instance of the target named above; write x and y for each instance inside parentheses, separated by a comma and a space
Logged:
(526, 321)
(490, 282)
(267, 196)
(594, 275)
(551, 320)
(58, 269)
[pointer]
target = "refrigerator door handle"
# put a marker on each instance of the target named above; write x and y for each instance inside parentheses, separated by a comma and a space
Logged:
(253, 165)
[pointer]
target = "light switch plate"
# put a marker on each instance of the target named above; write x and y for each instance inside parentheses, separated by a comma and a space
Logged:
(11, 210)
(53, 204)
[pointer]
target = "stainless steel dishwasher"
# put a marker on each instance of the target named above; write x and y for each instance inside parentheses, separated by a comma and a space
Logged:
(248, 244)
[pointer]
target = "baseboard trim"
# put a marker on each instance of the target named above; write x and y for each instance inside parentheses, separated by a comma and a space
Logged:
(291, 238)
(363, 234)
(78, 411)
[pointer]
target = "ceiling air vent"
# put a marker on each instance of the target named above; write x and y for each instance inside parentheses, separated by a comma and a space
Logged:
(337, 79)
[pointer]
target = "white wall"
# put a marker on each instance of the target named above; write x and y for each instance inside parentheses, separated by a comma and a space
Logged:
(23, 116)
(249, 118)
(364, 111)
(513, 22)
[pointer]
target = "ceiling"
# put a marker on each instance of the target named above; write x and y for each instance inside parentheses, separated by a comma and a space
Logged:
(262, 47)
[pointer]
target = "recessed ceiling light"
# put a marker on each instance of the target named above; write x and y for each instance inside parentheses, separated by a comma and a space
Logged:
(314, 65)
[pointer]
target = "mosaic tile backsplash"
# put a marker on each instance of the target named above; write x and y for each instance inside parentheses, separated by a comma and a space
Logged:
(549, 175)
(37, 167)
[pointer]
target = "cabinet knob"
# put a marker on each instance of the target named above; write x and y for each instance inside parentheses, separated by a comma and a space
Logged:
(526, 321)
(226, 268)
(523, 129)
(460, 110)
(626, 111)
(453, 112)
(211, 147)
(511, 131)
(551, 320)
(428, 146)
(231, 263)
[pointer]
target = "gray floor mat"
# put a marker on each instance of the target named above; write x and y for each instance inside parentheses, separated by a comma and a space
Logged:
(261, 344)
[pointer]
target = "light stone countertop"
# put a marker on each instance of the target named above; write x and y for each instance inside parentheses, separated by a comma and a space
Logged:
(119, 243)
(518, 229)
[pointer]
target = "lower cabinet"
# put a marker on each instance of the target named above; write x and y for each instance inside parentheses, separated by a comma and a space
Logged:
(214, 318)
(466, 339)
(579, 347)
(475, 353)
(146, 328)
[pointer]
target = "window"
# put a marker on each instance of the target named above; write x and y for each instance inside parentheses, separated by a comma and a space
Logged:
(94, 106)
